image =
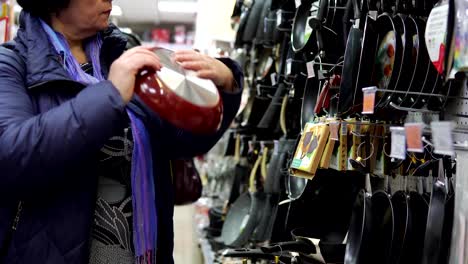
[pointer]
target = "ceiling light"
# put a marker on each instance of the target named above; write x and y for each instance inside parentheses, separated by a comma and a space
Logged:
(178, 7)
(116, 11)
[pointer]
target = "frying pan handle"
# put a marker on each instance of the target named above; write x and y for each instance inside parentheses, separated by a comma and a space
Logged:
(321, 11)
(357, 9)
(291, 246)
(253, 254)
(386, 6)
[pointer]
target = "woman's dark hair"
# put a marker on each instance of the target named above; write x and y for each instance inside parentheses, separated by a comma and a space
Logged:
(43, 8)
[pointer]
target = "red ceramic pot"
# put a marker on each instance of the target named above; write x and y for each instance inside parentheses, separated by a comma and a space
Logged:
(180, 97)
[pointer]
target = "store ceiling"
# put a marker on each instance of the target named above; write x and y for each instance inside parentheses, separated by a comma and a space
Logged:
(147, 11)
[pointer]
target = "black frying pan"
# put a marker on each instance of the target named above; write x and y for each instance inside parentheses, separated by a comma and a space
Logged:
(388, 57)
(351, 59)
(367, 56)
(435, 220)
(402, 220)
(253, 21)
(407, 29)
(244, 213)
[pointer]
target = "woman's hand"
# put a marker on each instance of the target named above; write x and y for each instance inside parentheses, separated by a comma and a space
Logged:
(207, 68)
(124, 70)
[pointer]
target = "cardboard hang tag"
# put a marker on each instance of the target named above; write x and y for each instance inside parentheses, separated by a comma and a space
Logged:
(334, 128)
(398, 148)
(369, 100)
(273, 79)
(414, 137)
(288, 67)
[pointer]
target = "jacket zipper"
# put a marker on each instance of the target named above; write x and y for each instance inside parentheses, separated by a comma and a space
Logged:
(5, 245)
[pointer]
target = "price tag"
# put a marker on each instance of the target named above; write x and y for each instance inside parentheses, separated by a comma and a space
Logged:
(298, 3)
(334, 128)
(442, 138)
(344, 129)
(310, 69)
(288, 67)
(369, 100)
(273, 79)
(398, 149)
(414, 137)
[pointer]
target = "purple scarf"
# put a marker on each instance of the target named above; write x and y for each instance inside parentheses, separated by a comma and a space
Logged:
(143, 192)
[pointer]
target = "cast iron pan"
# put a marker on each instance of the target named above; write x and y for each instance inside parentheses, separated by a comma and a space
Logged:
(435, 221)
(351, 61)
(388, 57)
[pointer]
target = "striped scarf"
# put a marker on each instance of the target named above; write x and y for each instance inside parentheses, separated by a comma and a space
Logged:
(143, 192)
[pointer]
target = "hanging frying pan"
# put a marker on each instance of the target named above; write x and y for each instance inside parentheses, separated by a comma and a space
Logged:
(360, 227)
(388, 57)
(382, 230)
(412, 249)
(402, 220)
(260, 34)
(244, 17)
(180, 97)
(448, 214)
(351, 60)
(406, 28)
(367, 55)
(253, 21)
(435, 219)
(272, 189)
(420, 56)
(244, 213)
(306, 31)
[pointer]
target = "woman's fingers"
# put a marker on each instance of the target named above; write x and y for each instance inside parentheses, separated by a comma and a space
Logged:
(196, 65)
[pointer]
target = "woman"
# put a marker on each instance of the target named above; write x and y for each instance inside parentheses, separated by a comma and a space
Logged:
(70, 129)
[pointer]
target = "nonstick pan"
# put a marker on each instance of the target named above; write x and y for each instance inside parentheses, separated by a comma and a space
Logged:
(402, 220)
(388, 57)
(244, 213)
(367, 56)
(435, 219)
(253, 21)
(420, 56)
(351, 60)
(406, 28)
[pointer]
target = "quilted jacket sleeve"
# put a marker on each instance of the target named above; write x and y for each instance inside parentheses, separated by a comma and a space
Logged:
(179, 143)
(36, 150)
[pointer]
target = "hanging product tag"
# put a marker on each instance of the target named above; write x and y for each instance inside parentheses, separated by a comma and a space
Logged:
(414, 137)
(398, 149)
(442, 138)
(273, 79)
(288, 66)
(298, 3)
(369, 100)
(310, 69)
(334, 128)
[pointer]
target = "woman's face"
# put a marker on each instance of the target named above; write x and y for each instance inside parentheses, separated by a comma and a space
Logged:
(87, 16)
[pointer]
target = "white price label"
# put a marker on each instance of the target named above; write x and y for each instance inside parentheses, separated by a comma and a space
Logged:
(310, 69)
(398, 143)
(442, 138)
(288, 67)
(273, 79)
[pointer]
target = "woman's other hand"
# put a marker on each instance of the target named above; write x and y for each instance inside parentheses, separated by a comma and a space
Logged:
(124, 70)
(207, 68)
